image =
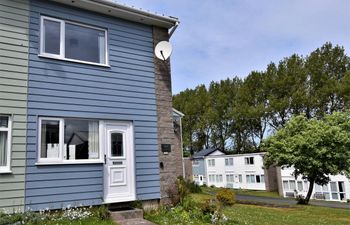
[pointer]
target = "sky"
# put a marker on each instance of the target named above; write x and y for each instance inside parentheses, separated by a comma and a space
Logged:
(217, 39)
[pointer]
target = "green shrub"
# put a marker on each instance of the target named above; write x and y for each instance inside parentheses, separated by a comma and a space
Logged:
(101, 212)
(182, 188)
(226, 196)
(193, 187)
(209, 207)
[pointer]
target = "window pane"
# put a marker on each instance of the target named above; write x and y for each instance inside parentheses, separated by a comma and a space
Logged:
(335, 196)
(83, 43)
(117, 145)
(4, 120)
(285, 185)
(326, 195)
(257, 179)
(262, 179)
(292, 184)
(3, 148)
(81, 139)
(49, 139)
(253, 178)
(51, 42)
(334, 187)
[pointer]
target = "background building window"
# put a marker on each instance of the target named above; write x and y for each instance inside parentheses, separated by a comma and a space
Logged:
(229, 162)
(249, 160)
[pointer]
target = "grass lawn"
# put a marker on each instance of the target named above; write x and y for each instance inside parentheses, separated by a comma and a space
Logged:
(260, 215)
(213, 190)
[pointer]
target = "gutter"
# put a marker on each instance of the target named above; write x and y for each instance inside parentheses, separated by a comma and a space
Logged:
(111, 8)
(169, 19)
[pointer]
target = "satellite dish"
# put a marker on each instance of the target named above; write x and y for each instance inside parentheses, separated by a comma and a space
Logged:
(163, 50)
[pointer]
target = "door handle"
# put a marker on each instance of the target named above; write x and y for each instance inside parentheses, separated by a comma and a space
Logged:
(105, 159)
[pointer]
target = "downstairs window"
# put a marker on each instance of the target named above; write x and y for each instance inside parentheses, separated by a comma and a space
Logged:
(68, 140)
(5, 143)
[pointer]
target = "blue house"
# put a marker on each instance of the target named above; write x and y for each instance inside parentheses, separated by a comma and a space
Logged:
(99, 118)
(199, 169)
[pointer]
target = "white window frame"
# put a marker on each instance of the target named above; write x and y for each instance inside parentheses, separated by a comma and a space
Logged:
(8, 129)
(211, 162)
(61, 56)
(61, 159)
(228, 161)
(247, 160)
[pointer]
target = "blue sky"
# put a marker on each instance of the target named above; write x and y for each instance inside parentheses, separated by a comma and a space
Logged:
(224, 38)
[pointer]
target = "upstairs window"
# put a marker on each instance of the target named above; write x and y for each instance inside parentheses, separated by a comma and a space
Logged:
(211, 162)
(5, 143)
(72, 41)
(229, 162)
(249, 160)
(195, 162)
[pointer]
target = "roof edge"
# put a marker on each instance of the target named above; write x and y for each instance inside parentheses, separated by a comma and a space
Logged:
(112, 8)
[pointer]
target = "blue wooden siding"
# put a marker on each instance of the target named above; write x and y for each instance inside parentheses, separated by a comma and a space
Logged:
(125, 91)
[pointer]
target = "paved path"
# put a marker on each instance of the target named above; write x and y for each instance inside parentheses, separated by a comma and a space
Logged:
(288, 201)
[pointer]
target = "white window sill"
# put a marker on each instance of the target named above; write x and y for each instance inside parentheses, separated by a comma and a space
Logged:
(68, 163)
(5, 171)
(73, 60)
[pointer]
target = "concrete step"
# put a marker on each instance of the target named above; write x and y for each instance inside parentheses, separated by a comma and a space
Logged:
(135, 222)
(126, 214)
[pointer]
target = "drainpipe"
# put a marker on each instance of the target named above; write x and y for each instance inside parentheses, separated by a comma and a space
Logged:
(173, 29)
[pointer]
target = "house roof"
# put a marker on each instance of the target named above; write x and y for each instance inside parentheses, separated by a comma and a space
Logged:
(115, 9)
(204, 152)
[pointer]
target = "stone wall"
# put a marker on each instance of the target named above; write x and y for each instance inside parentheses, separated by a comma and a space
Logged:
(170, 163)
(188, 169)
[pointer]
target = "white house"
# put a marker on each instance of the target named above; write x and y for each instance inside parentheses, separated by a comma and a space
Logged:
(213, 167)
(246, 171)
(338, 189)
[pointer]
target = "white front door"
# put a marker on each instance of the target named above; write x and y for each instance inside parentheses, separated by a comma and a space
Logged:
(119, 168)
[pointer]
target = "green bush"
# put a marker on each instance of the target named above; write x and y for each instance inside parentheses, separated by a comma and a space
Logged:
(226, 196)
(209, 207)
(101, 212)
(193, 187)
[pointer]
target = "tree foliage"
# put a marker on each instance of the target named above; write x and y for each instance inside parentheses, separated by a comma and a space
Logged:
(315, 148)
(237, 114)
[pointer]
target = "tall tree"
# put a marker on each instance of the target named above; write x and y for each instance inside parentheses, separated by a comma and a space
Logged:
(315, 148)
(222, 97)
(286, 87)
(194, 104)
(251, 111)
(327, 67)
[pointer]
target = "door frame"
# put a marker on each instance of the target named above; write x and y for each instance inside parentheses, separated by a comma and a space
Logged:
(129, 138)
